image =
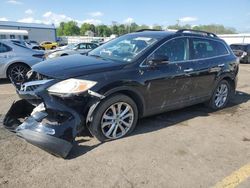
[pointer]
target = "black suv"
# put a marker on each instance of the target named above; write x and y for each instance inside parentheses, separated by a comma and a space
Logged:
(107, 90)
(242, 51)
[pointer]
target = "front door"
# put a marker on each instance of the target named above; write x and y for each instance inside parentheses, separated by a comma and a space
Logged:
(169, 84)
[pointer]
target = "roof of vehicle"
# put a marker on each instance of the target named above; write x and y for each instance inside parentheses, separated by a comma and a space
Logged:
(185, 32)
(148, 33)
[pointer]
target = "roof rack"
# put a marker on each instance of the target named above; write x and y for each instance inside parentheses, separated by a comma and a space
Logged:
(198, 32)
(141, 30)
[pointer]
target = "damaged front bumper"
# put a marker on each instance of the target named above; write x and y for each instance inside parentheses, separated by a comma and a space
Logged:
(44, 120)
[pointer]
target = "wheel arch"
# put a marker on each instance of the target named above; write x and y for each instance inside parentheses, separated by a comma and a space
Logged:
(64, 54)
(133, 94)
(231, 80)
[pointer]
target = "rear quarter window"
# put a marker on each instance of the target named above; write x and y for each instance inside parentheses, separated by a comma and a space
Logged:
(205, 48)
(4, 48)
(238, 47)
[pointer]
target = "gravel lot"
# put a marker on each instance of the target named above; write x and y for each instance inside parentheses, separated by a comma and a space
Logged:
(192, 147)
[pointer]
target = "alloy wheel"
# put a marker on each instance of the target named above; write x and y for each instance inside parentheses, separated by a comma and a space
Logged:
(18, 72)
(117, 120)
(221, 95)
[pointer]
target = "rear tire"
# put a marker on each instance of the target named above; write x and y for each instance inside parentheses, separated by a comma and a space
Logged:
(114, 118)
(221, 95)
(17, 72)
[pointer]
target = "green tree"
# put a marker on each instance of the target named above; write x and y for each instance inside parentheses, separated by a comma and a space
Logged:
(157, 27)
(215, 28)
(122, 29)
(71, 28)
(87, 27)
(133, 27)
(177, 26)
(103, 31)
(60, 29)
(115, 29)
(143, 27)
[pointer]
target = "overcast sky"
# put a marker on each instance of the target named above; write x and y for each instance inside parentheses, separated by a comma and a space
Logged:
(231, 13)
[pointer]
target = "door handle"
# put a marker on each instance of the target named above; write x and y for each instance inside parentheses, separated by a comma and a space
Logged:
(188, 70)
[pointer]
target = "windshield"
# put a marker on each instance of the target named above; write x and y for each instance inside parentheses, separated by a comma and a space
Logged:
(126, 48)
(71, 46)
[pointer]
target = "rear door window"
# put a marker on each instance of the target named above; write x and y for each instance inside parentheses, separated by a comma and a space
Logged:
(205, 48)
(89, 46)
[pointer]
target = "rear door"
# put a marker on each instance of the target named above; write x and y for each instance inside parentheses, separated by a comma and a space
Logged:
(206, 60)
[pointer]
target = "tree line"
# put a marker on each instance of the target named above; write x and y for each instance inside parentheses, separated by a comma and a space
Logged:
(71, 28)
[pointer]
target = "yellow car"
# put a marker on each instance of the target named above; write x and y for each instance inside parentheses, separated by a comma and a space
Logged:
(48, 45)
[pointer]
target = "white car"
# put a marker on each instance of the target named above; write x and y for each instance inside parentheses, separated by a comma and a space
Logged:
(16, 60)
(79, 48)
(30, 45)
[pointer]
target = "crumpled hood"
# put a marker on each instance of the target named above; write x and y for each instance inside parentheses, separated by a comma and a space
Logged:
(74, 66)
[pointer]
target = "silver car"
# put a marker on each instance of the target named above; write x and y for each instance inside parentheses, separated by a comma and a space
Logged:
(79, 48)
(16, 60)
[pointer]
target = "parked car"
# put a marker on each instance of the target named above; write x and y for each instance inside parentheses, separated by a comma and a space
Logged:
(242, 51)
(46, 45)
(61, 41)
(33, 42)
(33, 45)
(80, 48)
(106, 93)
(97, 41)
(25, 43)
(16, 60)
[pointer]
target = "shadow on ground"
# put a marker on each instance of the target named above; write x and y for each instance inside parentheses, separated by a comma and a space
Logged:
(168, 119)
(178, 116)
(4, 81)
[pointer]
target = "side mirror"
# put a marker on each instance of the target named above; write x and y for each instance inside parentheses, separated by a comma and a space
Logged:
(75, 48)
(158, 59)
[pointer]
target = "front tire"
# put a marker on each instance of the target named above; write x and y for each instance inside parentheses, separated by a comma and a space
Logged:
(220, 96)
(114, 118)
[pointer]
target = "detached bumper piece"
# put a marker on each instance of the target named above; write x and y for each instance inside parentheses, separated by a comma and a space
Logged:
(51, 144)
(48, 128)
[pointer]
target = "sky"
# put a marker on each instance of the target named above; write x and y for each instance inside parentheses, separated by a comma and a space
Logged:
(230, 13)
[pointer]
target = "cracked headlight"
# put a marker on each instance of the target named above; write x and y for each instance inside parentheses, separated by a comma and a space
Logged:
(71, 86)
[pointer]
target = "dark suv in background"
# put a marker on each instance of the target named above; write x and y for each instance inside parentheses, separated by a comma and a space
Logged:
(106, 91)
(242, 51)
